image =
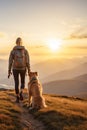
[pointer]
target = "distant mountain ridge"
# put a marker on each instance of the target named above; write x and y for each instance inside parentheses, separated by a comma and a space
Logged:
(52, 66)
(71, 87)
(57, 76)
(81, 77)
(67, 74)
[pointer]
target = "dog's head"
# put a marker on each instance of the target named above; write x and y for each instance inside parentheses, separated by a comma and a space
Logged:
(33, 75)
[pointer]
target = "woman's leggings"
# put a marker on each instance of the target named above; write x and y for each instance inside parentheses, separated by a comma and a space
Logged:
(16, 74)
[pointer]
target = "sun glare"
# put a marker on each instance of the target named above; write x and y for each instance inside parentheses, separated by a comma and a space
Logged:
(54, 44)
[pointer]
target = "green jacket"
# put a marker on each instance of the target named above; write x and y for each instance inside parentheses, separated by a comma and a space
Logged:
(11, 59)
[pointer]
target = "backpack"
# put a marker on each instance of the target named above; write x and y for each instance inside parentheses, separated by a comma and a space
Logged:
(20, 58)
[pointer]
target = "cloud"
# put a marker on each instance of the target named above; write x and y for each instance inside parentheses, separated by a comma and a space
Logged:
(79, 47)
(37, 46)
(2, 35)
(76, 36)
(80, 33)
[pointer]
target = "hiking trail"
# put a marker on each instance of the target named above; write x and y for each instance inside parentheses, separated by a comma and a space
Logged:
(26, 119)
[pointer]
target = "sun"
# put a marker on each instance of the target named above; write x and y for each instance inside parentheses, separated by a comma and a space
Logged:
(54, 44)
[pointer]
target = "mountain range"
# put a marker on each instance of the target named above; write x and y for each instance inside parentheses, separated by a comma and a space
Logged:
(68, 74)
(72, 87)
(58, 76)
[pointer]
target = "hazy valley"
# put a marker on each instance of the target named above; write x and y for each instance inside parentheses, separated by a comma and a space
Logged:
(62, 77)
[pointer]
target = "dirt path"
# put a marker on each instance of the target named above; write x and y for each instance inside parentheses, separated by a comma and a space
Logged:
(26, 119)
(28, 122)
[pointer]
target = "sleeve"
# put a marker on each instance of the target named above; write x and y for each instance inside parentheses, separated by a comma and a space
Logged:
(27, 61)
(10, 61)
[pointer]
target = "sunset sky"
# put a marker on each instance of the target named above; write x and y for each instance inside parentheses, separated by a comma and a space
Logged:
(41, 23)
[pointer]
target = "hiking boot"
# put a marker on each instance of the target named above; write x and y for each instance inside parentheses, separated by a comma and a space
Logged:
(17, 99)
(21, 96)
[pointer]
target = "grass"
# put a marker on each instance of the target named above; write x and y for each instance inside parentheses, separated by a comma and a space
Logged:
(9, 113)
(62, 113)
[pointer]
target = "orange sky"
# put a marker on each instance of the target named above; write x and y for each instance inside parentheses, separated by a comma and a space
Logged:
(38, 21)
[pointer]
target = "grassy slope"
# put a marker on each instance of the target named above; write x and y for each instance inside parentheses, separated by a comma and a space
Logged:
(63, 113)
(9, 113)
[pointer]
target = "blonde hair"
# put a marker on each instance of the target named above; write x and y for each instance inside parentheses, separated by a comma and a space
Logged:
(19, 41)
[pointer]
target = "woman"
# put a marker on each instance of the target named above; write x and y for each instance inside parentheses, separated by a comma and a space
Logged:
(19, 62)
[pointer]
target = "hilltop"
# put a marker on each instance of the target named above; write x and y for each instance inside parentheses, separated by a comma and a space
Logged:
(62, 113)
(14, 116)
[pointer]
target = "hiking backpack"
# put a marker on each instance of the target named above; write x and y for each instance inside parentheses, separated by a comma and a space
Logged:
(20, 58)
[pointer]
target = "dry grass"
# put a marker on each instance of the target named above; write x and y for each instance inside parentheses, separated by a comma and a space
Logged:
(9, 113)
(63, 113)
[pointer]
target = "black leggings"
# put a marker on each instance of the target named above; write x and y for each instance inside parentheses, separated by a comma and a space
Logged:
(16, 74)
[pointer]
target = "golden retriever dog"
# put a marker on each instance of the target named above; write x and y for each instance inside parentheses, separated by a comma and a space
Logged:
(36, 100)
